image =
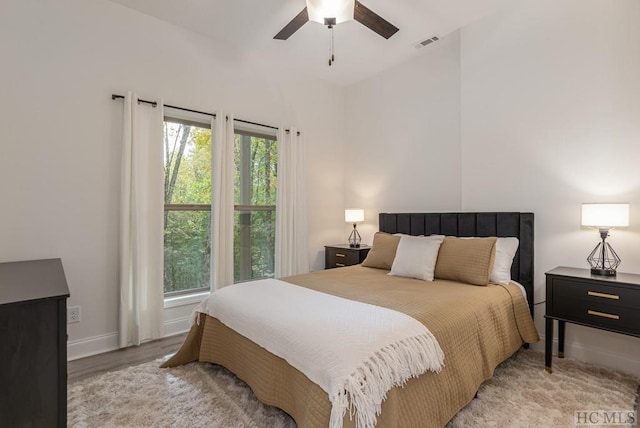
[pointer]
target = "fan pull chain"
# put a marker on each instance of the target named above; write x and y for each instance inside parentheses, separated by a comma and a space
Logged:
(332, 57)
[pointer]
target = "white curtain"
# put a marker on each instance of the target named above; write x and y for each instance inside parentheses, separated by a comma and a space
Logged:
(222, 197)
(141, 223)
(292, 250)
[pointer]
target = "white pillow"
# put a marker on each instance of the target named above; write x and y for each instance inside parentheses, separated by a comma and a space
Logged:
(416, 257)
(505, 252)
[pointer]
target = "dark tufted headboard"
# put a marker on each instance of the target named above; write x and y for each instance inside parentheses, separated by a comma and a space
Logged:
(501, 224)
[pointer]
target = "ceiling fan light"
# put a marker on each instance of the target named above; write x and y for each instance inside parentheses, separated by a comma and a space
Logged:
(342, 10)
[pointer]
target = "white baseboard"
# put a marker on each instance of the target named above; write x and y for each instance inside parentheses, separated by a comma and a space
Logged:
(617, 361)
(81, 348)
(177, 326)
(87, 347)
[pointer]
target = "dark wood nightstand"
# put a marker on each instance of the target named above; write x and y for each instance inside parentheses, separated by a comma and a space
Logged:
(341, 255)
(576, 296)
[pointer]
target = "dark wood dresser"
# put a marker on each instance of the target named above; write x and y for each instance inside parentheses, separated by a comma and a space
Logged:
(605, 302)
(33, 353)
(341, 255)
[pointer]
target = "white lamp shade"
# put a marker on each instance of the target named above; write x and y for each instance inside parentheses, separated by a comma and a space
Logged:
(354, 216)
(342, 10)
(605, 215)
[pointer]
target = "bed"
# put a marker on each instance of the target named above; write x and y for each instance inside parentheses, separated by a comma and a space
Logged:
(476, 327)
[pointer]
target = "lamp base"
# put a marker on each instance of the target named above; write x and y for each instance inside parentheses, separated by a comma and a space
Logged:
(603, 259)
(354, 238)
(603, 272)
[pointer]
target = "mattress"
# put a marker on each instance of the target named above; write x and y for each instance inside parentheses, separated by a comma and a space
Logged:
(477, 327)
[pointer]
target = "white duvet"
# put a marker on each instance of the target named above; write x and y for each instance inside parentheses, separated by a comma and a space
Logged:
(354, 351)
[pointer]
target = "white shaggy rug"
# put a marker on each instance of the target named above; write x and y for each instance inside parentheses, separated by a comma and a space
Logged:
(521, 394)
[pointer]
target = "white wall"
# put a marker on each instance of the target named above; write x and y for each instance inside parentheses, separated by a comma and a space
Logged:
(548, 93)
(59, 144)
(550, 119)
(403, 137)
(549, 98)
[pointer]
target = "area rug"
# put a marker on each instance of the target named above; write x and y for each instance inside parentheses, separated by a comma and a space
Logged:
(520, 394)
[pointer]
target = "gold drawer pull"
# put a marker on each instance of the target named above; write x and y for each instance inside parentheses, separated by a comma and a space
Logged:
(340, 255)
(603, 315)
(340, 264)
(604, 295)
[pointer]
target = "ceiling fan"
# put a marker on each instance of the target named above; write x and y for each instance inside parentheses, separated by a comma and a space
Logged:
(332, 12)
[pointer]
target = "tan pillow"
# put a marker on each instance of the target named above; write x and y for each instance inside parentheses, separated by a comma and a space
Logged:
(382, 252)
(466, 260)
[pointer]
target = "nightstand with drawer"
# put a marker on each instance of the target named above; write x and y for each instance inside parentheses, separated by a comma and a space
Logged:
(576, 296)
(341, 255)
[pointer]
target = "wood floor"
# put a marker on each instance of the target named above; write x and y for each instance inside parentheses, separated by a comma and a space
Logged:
(121, 358)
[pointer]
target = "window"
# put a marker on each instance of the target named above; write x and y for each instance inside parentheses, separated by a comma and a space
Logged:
(255, 184)
(187, 209)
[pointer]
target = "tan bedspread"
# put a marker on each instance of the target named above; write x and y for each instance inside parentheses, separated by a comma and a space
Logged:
(477, 328)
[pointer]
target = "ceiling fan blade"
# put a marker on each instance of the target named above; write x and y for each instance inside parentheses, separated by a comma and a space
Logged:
(293, 26)
(373, 21)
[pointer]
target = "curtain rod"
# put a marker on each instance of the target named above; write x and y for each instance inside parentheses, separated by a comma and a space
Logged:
(154, 103)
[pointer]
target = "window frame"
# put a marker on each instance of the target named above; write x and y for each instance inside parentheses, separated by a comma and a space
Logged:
(245, 265)
(188, 296)
(178, 295)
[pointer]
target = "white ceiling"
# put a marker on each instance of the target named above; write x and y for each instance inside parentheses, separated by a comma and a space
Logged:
(359, 52)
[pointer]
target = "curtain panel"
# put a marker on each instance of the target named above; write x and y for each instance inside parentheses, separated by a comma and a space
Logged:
(292, 249)
(141, 223)
(222, 172)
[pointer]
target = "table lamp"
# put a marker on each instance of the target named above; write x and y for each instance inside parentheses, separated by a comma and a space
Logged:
(603, 259)
(354, 216)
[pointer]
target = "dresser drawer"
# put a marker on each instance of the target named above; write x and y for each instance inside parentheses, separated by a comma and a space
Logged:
(599, 314)
(340, 258)
(595, 293)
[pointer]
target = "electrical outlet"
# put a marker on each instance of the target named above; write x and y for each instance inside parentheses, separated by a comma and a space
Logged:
(73, 314)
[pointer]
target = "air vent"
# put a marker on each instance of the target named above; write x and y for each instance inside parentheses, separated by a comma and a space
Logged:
(427, 42)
